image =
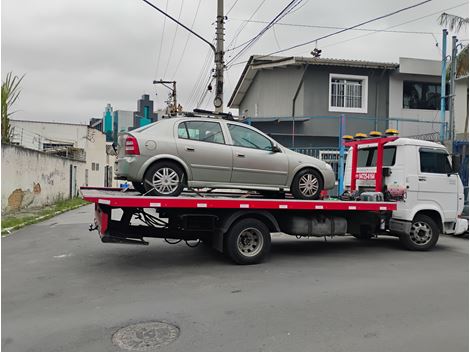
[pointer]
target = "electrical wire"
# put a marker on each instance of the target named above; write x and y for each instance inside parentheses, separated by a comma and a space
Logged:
(187, 41)
(397, 25)
(231, 7)
(161, 43)
(349, 28)
(243, 25)
(343, 30)
(334, 27)
(174, 39)
(284, 12)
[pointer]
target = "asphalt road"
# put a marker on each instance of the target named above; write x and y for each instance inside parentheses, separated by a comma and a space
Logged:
(63, 290)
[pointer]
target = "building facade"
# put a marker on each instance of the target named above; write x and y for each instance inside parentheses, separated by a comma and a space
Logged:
(299, 101)
(71, 141)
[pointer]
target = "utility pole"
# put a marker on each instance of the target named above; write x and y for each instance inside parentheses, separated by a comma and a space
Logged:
(219, 58)
(443, 86)
(453, 68)
(173, 91)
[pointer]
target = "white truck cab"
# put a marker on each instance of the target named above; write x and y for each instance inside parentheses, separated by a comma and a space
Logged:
(420, 177)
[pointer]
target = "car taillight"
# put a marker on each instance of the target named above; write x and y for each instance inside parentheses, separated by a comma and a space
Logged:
(131, 146)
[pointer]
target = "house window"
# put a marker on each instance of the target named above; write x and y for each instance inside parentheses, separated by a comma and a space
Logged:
(422, 95)
(348, 93)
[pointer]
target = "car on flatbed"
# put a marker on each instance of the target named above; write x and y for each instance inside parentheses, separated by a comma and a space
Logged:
(167, 156)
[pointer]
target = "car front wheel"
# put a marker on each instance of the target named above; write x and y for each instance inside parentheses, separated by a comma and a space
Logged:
(164, 179)
(307, 184)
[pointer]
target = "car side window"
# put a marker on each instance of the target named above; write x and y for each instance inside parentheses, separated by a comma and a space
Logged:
(434, 161)
(245, 137)
(201, 131)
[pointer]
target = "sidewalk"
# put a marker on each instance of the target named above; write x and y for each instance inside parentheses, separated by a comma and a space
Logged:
(11, 222)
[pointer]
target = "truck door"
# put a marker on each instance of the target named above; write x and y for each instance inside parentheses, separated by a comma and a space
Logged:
(201, 144)
(436, 183)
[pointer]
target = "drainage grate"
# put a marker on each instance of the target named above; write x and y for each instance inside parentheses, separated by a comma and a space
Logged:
(146, 336)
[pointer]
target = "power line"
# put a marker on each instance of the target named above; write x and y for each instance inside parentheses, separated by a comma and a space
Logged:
(161, 42)
(342, 30)
(174, 38)
(231, 7)
(187, 40)
(397, 25)
(284, 12)
(349, 28)
(334, 27)
(243, 25)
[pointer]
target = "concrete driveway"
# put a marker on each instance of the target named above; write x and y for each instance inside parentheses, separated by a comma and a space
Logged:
(63, 290)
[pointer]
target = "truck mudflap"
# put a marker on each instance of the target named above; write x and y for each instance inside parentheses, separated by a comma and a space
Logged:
(102, 217)
(400, 227)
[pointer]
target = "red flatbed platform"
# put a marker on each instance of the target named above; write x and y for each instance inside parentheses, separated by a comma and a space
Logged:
(125, 198)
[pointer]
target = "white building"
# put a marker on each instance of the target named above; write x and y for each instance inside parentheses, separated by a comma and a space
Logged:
(414, 95)
(75, 141)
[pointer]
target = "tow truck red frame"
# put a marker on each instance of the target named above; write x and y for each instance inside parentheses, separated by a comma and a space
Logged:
(222, 219)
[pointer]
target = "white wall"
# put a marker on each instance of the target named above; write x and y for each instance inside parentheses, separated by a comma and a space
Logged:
(92, 141)
(431, 118)
(34, 179)
(461, 105)
(51, 131)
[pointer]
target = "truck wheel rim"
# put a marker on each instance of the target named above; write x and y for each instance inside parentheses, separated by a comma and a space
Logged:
(250, 242)
(165, 180)
(308, 185)
(421, 233)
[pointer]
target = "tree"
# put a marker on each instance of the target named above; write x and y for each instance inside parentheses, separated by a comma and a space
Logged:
(455, 23)
(10, 93)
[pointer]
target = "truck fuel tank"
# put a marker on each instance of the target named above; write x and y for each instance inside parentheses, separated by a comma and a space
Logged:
(314, 226)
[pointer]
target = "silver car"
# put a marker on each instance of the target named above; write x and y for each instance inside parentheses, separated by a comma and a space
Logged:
(165, 157)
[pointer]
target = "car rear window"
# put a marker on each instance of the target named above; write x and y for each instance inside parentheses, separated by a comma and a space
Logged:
(203, 131)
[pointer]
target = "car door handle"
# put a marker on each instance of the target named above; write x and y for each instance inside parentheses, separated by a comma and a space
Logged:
(189, 149)
(240, 155)
(422, 178)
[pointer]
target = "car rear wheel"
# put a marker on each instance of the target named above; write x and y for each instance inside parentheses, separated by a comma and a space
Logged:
(307, 184)
(164, 179)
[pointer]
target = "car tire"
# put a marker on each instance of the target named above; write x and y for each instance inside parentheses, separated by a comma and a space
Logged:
(247, 242)
(139, 187)
(307, 184)
(171, 178)
(423, 235)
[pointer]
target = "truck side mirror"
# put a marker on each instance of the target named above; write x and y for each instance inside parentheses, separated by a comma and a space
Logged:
(455, 163)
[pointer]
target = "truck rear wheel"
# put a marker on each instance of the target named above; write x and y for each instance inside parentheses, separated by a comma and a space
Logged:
(248, 241)
(423, 235)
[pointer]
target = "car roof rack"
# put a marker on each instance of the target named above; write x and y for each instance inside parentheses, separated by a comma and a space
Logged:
(213, 114)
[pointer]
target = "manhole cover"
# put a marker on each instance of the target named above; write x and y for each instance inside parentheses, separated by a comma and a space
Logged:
(146, 336)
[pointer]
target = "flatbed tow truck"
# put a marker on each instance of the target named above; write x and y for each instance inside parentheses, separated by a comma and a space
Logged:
(240, 224)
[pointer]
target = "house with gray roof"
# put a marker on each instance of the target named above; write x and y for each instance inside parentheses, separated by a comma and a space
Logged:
(299, 100)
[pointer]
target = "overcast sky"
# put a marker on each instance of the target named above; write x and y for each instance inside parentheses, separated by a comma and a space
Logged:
(80, 55)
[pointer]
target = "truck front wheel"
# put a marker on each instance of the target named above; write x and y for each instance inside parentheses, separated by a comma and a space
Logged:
(248, 241)
(423, 234)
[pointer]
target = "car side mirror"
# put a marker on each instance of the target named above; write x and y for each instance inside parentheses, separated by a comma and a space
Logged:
(276, 149)
(455, 163)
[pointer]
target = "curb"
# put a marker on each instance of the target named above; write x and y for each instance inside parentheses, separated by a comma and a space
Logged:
(9, 230)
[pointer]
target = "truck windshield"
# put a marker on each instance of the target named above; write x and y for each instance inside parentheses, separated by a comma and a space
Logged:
(367, 157)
